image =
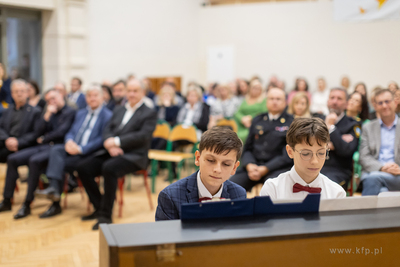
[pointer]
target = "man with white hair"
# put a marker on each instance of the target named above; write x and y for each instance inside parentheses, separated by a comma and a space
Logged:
(127, 139)
(17, 122)
(83, 139)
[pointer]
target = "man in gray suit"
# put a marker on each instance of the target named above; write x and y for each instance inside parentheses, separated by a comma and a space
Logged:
(380, 147)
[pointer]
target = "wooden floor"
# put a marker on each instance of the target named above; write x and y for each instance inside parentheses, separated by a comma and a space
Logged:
(65, 240)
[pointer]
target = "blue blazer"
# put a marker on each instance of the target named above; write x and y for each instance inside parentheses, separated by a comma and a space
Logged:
(186, 191)
(95, 141)
(81, 101)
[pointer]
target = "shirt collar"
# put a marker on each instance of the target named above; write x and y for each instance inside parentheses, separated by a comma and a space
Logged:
(96, 111)
(274, 117)
(394, 123)
(340, 117)
(195, 106)
(297, 179)
(203, 192)
(135, 107)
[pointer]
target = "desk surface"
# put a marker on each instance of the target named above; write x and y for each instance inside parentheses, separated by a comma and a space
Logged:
(141, 235)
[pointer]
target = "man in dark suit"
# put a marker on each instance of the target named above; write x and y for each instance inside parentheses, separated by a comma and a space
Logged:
(51, 128)
(344, 133)
(264, 154)
(127, 139)
(83, 139)
(119, 92)
(17, 122)
(76, 96)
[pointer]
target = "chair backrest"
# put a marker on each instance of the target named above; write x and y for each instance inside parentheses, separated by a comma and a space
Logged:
(162, 130)
(228, 122)
(183, 133)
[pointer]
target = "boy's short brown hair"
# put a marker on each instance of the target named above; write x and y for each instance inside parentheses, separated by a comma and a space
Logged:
(304, 129)
(220, 139)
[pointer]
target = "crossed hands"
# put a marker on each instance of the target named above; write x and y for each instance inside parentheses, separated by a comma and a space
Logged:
(255, 172)
(112, 149)
(391, 168)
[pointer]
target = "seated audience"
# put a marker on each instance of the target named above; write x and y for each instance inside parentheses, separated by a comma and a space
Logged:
(319, 99)
(167, 108)
(194, 112)
(357, 107)
(373, 114)
(307, 144)
(61, 88)
(178, 99)
(127, 139)
(5, 89)
(83, 139)
(300, 106)
(345, 83)
(243, 88)
(252, 105)
(361, 88)
(225, 106)
(209, 96)
(394, 88)
(301, 86)
(119, 93)
(344, 135)
(76, 96)
(264, 154)
(217, 158)
(51, 129)
(35, 99)
(17, 125)
(108, 97)
(149, 92)
(379, 155)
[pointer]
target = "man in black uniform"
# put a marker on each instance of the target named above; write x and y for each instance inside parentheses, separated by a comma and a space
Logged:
(344, 132)
(51, 127)
(17, 122)
(264, 154)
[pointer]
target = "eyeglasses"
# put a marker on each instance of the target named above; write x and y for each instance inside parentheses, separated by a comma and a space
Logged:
(387, 102)
(307, 155)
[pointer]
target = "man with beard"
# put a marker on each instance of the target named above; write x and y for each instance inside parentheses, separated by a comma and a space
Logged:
(119, 93)
(344, 134)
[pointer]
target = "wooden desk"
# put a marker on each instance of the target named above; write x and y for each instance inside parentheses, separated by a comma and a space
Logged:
(341, 238)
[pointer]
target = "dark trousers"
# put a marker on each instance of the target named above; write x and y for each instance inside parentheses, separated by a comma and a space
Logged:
(4, 153)
(242, 178)
(59, 163)
(338, 175)
(111, 168)
(36, 158)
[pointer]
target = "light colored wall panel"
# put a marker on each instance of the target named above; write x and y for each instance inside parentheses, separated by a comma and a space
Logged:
(37, 4)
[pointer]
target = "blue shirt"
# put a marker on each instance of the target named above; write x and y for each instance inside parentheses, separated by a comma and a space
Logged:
(386, 152)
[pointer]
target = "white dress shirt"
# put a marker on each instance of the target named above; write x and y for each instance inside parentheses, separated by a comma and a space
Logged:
(274, 117)
(281, 187)
(203, 191)
(130, 111)
(74, 96)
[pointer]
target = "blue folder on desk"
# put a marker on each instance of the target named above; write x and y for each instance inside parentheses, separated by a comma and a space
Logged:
(257, 206)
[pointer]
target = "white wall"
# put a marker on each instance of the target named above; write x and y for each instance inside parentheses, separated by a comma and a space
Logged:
(171, 37)
(301, 39)
(144, 37)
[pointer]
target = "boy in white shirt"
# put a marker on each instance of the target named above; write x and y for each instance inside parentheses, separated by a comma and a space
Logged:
(307, 144)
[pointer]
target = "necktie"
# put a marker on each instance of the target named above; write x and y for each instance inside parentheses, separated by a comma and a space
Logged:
(82, 130)
(298, 187)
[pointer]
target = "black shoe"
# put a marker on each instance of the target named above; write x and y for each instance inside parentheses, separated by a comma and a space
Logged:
(92, 216)
(49, 193)
(24, 211)
(5, 206)
(52, 211)
(101, 220)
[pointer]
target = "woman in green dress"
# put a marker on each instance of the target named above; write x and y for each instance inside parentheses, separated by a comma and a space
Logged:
(253, 105)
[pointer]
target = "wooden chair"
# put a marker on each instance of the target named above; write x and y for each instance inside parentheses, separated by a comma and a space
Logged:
(178, 133)
(121, 182)
(228, 122)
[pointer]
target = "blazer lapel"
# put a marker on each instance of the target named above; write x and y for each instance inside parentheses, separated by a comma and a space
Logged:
(132, 120)
(376, 129)
(225, 193)
(192, 194)
(397, 140)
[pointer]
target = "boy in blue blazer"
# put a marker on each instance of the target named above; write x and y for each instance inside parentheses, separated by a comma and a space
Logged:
(217, 158)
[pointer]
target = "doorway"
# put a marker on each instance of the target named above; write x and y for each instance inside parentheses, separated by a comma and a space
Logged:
(21, 43)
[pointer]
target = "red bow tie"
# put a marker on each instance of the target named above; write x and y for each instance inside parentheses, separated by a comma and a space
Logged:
(298, 187)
